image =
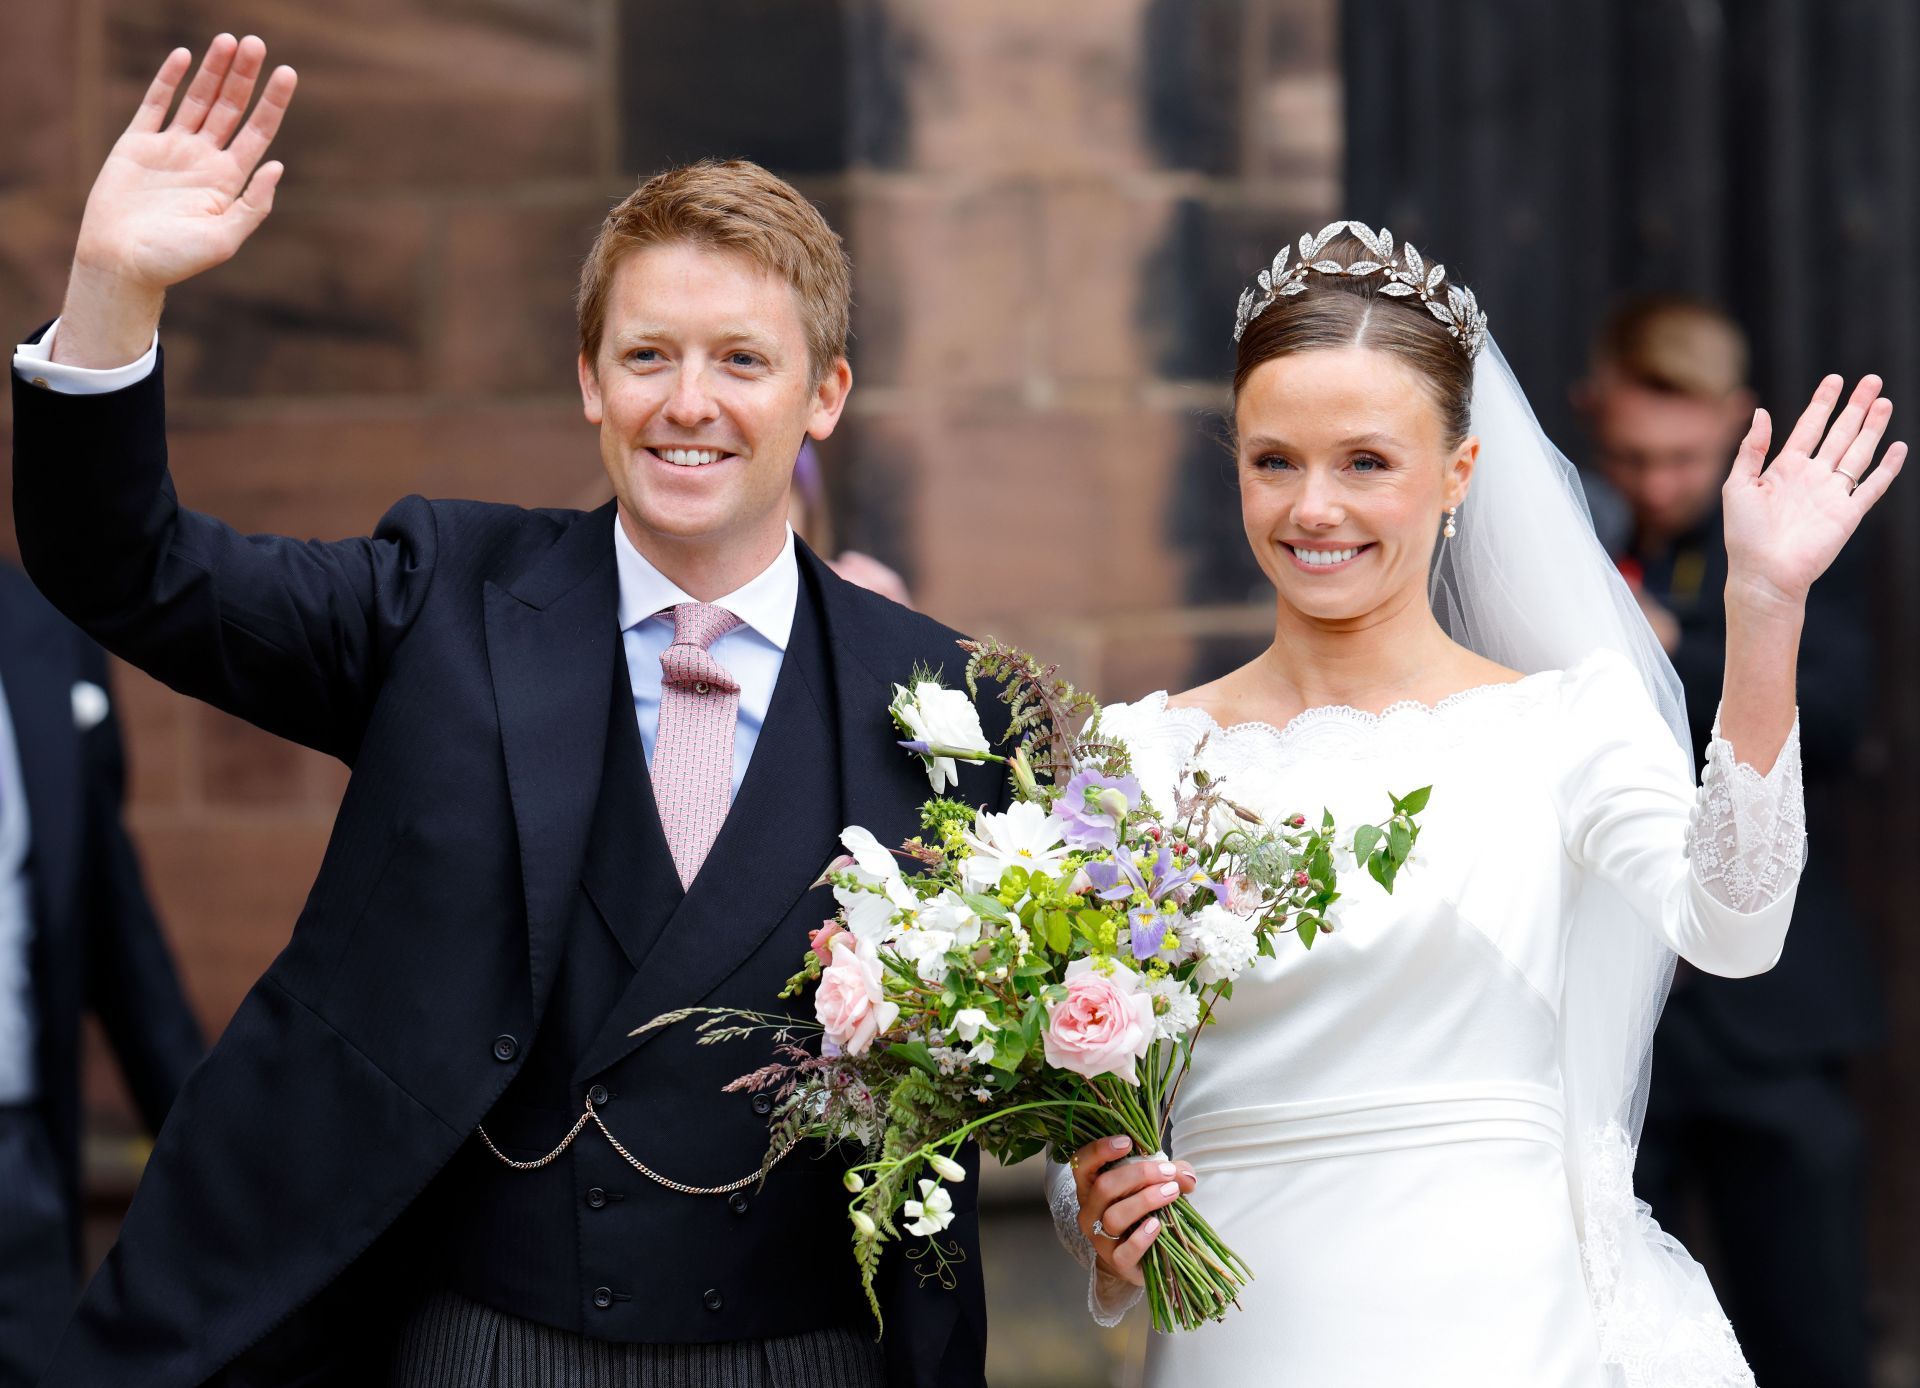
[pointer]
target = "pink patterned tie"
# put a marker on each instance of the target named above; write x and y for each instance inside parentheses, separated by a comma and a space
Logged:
(693, 752)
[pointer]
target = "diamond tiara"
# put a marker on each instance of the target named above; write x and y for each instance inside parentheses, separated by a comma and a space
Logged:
(1407, 276)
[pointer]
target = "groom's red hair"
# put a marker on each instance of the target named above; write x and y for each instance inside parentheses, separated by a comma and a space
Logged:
(738, 206)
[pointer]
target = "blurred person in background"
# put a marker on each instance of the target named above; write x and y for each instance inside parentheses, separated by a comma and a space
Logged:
(76, 933)
(1749, 1110)
(812, 521)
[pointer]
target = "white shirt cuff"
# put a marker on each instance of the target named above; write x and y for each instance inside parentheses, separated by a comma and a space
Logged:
(33, 362)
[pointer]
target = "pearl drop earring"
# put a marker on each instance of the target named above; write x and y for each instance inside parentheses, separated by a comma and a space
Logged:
(1449, 529)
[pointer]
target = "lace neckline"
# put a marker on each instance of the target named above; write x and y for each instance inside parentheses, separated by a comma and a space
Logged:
(1347, 713)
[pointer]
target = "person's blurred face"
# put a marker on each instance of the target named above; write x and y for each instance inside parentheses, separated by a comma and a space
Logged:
(1665, 454)
(1345, 474)
(702, 394)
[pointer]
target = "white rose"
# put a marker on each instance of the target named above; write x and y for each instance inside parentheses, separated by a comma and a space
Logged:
(940, 718)
(949, 718)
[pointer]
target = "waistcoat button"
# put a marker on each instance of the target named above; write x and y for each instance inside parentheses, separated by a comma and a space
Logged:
(763, 1104)
(712, 1299)
(505, 1047)
(603, 1297)
(596, 1199)
(738, 1202)
(598, 1095)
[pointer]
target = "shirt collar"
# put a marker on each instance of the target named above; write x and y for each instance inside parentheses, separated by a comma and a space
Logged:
(765, 602)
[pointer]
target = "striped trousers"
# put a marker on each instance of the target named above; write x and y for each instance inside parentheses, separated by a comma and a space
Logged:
(452, 1342)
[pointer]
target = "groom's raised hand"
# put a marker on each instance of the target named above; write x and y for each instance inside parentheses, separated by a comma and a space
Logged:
(173, 199)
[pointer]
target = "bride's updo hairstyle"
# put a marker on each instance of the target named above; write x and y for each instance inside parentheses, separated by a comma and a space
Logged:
(1350, 287)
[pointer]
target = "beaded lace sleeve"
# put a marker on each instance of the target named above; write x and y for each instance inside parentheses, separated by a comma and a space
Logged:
(1065, 1204)
(1747, 835)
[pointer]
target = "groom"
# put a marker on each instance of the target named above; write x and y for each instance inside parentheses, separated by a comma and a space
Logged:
(598, 759)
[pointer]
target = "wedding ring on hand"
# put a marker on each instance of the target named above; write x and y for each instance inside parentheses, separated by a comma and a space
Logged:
(1101, 1230)
(1852, 481)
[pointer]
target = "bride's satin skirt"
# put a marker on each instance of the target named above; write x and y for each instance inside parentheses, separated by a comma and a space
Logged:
(1396, 1240)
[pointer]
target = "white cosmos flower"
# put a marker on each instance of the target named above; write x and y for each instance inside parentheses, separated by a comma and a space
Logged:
(931, 1213)
(883, 891)
(873, 865)
(1025, 836)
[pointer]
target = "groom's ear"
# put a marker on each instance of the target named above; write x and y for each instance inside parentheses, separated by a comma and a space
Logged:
(590, 391)
(830, 398)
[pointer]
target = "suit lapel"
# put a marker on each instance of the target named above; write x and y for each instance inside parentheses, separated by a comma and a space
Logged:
(781, 831)
(552, 636)
(883, 786)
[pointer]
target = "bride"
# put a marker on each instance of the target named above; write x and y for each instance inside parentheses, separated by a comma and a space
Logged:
(1420, 1133)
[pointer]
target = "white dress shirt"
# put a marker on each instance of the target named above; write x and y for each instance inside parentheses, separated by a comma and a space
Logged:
(33, 362)
(752, 652)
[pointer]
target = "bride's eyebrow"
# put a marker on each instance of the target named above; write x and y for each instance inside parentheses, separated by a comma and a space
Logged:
(1265, 443)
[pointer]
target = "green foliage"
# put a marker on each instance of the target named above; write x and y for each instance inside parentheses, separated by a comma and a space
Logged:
(1043, 709)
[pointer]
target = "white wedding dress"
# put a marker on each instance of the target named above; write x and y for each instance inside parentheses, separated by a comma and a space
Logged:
(1379, 1123)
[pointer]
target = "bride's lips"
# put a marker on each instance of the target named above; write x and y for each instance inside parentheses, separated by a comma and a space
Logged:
(1336, 557)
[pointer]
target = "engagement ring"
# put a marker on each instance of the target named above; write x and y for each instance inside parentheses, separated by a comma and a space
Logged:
(1099, 1229)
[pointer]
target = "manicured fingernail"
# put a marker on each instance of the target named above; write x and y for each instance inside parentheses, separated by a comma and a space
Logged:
(1153, 1227)
(1167, 1168)
(1120, 1144)
(1170, 1188)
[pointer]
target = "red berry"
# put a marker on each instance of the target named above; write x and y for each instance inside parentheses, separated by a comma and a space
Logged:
(1181, 849)
(1153, 832)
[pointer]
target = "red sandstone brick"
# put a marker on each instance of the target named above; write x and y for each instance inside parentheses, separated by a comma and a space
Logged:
(397, 93)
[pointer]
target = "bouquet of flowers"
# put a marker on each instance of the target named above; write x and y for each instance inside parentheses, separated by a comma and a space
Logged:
(1036, 977)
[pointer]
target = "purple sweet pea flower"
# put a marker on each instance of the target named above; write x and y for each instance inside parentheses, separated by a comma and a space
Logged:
(1091, 807)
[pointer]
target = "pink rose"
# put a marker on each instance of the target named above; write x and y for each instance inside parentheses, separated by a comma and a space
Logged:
(1104, 1025)
(822, 940)
(850, 1003)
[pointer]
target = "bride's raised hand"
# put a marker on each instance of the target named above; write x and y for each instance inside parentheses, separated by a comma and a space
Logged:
(178, 197)
(1786, 522)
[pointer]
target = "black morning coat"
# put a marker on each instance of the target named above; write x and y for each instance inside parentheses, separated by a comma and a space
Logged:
(96, 945)
(310, 1180)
